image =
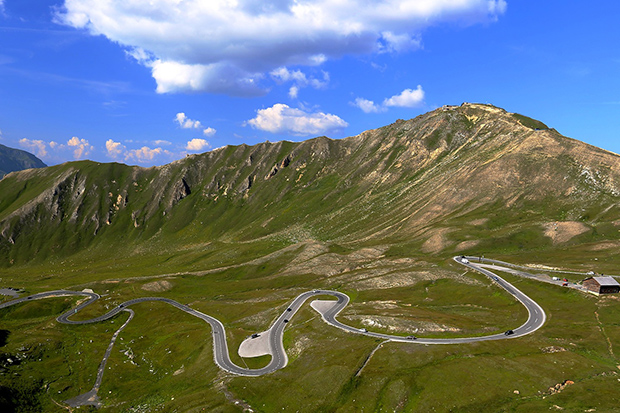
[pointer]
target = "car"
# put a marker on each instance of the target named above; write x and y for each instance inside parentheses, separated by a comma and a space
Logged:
(255, 335)
(29, 298)
(564, 284)
(289, 309)
(565, 280)
(363, 330)
(411, 337)
(496, 279)
(509, 333)
(285, 320)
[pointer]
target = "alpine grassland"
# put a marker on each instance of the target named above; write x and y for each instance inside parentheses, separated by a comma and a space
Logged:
(239, 232)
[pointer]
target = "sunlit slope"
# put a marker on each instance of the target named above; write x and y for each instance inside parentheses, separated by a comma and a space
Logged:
(451, 180)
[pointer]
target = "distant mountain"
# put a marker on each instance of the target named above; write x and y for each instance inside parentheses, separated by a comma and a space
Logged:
(457, 179)
(12, 160)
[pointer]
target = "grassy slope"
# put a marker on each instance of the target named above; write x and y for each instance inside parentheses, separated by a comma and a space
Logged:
(321, 225)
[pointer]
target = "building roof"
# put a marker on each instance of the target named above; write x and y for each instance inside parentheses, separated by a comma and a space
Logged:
(606, 281)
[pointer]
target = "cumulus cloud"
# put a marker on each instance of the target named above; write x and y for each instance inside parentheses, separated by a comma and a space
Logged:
(209, 132)
(408, 98)
(185, 122)
(38, 147)
(80, 147)
(115, 150)
(281, 118)
(368, 106)
(222, 46)
(197, 145)
(145, 154)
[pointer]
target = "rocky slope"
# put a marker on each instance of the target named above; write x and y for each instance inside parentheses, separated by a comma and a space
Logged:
(12, 160)
(451, 180)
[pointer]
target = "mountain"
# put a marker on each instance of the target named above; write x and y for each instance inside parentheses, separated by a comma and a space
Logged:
(239, 232)
(16, 160)
(456, 179)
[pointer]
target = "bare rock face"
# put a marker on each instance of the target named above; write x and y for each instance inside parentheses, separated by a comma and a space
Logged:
(418, 180)
(180, 191)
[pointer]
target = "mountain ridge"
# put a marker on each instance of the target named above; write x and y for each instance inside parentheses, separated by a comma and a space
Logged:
(412, 181)
(12, 160)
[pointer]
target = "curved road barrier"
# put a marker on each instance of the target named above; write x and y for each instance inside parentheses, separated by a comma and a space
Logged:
(328, 310)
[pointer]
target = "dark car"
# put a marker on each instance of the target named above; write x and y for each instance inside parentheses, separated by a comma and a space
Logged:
(255, 335)
(289, 309)
(411, 337)
(509, 332)
(286, 321)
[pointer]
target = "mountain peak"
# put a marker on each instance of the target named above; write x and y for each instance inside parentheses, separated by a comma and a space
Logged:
(408, 182)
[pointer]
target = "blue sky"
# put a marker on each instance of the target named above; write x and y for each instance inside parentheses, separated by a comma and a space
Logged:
(146, 82)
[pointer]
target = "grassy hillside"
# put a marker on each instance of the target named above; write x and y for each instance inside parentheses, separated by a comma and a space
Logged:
(238, 232)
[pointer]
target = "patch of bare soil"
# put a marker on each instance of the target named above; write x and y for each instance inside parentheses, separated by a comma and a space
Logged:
(157, 286)
(465, 245)
(553, 349)
(315, 260)
(399, 325)
(605, 246)
(298, 346)
(437, 242)
(401, 279)
(478, 222)
(561, 232)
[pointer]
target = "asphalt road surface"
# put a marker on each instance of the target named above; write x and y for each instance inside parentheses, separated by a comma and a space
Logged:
(279, 359)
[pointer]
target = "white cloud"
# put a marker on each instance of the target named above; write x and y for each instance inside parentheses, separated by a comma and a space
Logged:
(38, 147)
(186, 123)
(161, 142)
(197, 145)
(293, 92)
(225, 46)
(280, 118)
(115, 149)
(146, 154)
(81, 147)
(173, 77)
(408, 98)
(209, 132)
(368, 106)
(400, 42)
(300, 80)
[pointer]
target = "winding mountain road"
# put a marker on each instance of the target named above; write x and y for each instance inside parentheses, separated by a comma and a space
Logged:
(328, 311)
